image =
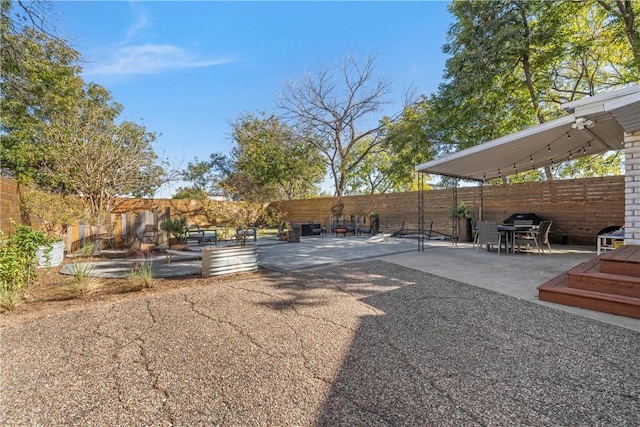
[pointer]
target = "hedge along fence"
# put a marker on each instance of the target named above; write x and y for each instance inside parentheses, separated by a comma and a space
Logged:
(578, 208)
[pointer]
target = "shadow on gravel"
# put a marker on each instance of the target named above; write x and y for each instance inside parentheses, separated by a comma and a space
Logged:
(439, 352)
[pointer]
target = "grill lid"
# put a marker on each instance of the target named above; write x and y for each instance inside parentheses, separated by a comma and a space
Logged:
(524, 216)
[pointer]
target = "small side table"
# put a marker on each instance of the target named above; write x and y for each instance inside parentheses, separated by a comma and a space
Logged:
(603, 246)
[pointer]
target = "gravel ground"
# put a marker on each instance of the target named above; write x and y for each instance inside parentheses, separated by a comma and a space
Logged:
(370, 343)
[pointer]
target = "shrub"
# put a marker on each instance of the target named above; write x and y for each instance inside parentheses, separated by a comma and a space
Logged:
(83, 283)
(142, 273)
(18, 262)
(177, 227)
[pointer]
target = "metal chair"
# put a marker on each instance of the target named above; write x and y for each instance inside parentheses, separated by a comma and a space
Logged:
(536, 237)
(488, 234)
(150, 234)
(543, 234)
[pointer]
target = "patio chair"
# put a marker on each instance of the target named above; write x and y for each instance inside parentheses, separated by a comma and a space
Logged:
(529, 238)
(543, 234)
(150, 234)
(488, 234)
(538, 237)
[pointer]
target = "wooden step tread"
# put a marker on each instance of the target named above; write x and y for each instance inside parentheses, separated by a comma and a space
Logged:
(607, 283)
(621, 279)
(592, 265)
(625, 253)
(558, 291)
(593, 294)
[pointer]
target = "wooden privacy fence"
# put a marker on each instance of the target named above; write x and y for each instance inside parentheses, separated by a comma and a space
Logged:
(126, 229)
(578, 208)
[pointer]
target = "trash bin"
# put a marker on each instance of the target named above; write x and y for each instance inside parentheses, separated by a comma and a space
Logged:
(294, 234)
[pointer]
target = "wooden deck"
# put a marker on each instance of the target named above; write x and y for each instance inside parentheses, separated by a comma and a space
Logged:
(609, 283)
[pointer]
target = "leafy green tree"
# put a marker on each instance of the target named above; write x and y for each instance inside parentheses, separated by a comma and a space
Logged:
(624, 16)
(61, 133)
(190, 193)
(498, 72)
(272, 158)
(411, 140)
(591, 166)
(369, 176)
(514, 62)
(204, 177)
(86, 153)
(335, 114)
(268, 162)
(39, 78)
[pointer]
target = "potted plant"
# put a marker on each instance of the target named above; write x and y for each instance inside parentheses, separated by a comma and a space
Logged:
(463, 218)
(177, 228)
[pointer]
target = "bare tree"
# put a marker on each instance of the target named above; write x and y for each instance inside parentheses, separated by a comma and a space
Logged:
(337, 113)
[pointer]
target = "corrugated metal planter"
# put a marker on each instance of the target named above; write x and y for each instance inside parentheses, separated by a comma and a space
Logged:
(229, 260)
(54, 258)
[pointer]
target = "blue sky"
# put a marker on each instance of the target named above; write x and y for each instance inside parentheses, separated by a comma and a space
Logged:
(186, 70)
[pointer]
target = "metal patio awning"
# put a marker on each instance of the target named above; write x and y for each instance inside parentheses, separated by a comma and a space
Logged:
(595, 125)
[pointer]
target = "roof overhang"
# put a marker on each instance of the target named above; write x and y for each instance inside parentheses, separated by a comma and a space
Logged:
(595, 125)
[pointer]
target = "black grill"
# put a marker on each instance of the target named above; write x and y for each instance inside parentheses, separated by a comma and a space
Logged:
(524, 216)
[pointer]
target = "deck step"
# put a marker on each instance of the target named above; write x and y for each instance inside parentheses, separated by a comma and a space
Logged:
(557, 290)
(607, 283)
(624, 260)
(587, 286)
(589, 276)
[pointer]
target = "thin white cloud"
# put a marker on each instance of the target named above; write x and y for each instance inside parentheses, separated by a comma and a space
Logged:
(141, 23)
(150, 59)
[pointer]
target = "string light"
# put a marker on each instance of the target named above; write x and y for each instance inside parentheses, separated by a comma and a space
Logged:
(583, 150)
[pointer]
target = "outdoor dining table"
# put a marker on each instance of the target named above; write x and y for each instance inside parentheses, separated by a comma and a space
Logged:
(510, 231)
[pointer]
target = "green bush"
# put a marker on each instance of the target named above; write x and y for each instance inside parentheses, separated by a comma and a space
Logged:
(18, 261)
(177, 227)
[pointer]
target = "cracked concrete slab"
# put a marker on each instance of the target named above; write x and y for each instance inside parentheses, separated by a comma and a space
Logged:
(369, 343)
